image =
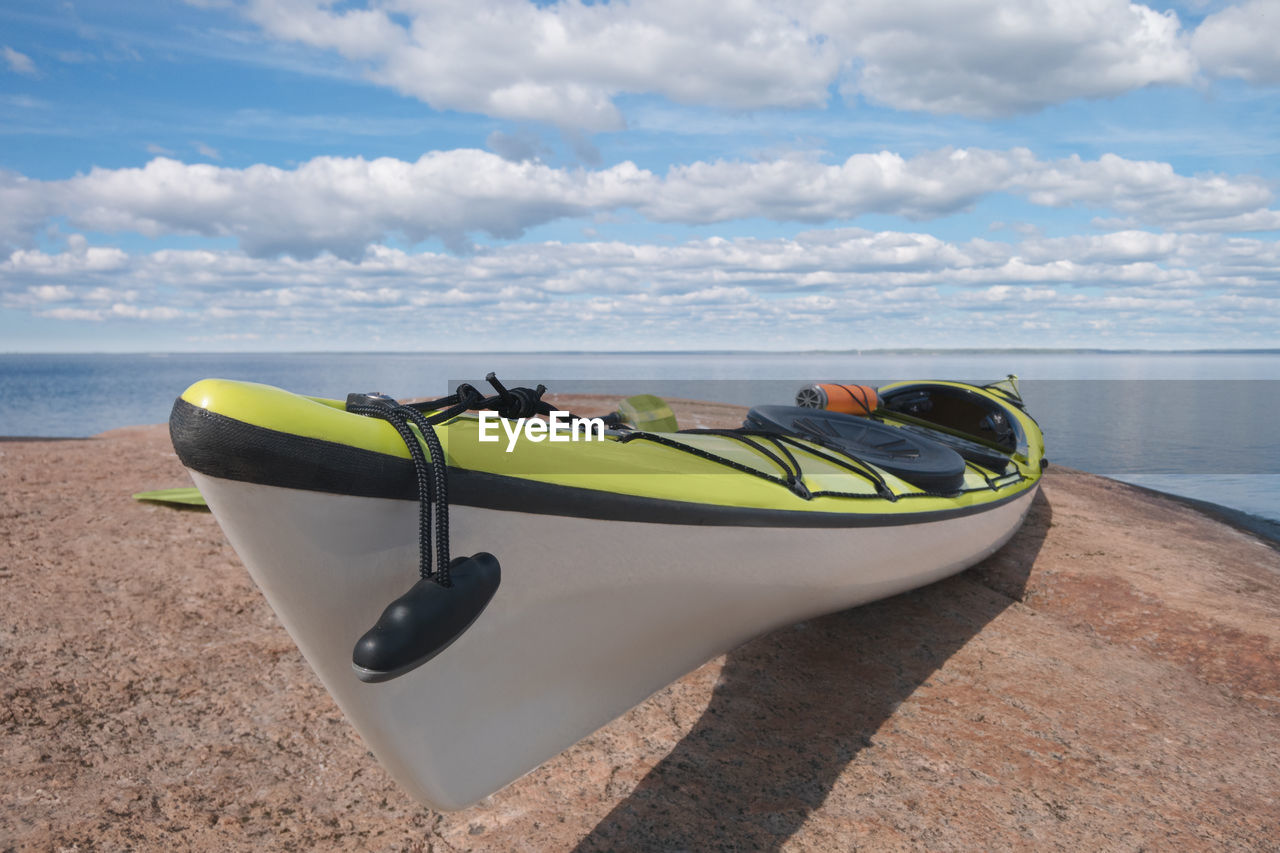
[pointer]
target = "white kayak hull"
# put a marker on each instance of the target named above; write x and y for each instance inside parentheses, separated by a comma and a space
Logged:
(591, 616)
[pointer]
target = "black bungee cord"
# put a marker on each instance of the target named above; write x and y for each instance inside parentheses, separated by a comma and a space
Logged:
(450, 593)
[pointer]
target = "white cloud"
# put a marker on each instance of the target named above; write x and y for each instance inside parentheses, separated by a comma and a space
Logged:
(814, 288)
(1121, 247)
(343, 205)
(1254, 220)
(77, 260)
(207, 151)
(1149, 190)
(19, 63)
(996, 57)
(804, 190)
(51, 292)
(1241, 41)
(339, 204)
(567, 63)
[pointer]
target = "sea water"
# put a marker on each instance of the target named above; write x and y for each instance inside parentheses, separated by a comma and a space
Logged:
(1199, 424)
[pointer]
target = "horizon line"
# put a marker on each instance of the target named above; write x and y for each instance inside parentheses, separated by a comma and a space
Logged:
(716, 351)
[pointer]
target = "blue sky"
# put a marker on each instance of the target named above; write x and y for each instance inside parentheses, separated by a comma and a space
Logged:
(303, 175)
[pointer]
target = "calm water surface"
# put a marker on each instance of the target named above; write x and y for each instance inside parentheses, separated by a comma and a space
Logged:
(1197, 424)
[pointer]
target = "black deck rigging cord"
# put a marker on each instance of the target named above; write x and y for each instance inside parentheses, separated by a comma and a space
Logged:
(791, 471)
(432, 477)
(450, 593)
(432, 482)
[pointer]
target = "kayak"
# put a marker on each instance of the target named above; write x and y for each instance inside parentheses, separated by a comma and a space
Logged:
(598, 562)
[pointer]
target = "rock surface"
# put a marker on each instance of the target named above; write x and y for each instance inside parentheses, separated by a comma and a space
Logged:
(1110, 679)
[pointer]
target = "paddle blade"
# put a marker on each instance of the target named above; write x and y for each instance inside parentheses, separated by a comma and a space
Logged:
(189, 496)
(647, 412)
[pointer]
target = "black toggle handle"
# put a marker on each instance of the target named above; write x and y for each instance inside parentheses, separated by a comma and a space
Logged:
(424, 621)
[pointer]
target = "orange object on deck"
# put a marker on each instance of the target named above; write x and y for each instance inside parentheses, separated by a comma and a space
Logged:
(834, 397)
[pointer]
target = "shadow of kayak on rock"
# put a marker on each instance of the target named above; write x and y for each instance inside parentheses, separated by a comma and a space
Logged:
(792, 709)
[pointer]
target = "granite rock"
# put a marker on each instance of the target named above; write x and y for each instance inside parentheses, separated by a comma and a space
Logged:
(1110, 679)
